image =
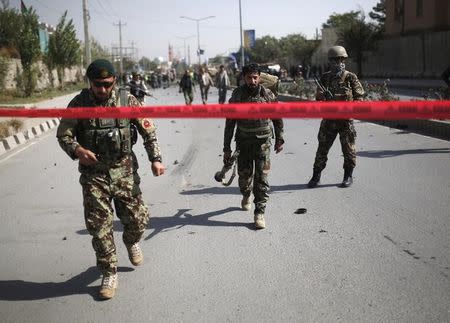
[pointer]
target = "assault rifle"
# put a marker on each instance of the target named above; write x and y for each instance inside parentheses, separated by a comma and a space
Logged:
(227, 165)
(328, 95)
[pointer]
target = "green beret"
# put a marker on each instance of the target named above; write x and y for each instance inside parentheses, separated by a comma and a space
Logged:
(100, 69)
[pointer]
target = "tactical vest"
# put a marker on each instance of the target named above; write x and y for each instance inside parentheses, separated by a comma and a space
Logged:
(110, 139)
(251, 128)
(340, 87)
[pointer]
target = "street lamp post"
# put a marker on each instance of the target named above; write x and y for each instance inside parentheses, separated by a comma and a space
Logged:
(184, 43)
(242, 36)
(197, 20)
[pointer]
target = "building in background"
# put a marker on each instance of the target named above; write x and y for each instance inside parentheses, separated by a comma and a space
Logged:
(412, 16)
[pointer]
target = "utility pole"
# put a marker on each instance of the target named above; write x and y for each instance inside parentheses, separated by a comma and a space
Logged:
(87, 42)
(197, 20)
(242, 37)
(120, 24)
(189, 55)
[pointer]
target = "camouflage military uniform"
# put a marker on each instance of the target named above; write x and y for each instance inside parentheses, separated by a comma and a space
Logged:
(114, 177)
(345, 87)
(253, 140)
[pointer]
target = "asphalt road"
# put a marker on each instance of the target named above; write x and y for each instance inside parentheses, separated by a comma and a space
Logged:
(377, 251)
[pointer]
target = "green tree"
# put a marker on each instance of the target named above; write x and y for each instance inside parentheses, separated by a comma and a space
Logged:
(338, 21)
(296, 49)
(28, 47)
(379, 13)
(266, 49)
(10, 26)
(98, 51)
(359, 37)
(64, 47)
(146, 63)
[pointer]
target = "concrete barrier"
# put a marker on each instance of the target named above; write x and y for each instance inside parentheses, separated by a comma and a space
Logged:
(36, 131)
(44, 127)
(2, 148)
(20, 138)
(29, 134)
(9, 142)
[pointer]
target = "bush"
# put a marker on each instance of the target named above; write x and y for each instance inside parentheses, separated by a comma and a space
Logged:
(379, 92)
(4, 130)
(300, 88)
(16, 124)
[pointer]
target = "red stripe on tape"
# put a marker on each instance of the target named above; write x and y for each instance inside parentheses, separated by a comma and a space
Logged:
(381, 110)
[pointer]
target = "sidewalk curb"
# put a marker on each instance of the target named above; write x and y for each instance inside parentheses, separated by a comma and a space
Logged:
(9, 143)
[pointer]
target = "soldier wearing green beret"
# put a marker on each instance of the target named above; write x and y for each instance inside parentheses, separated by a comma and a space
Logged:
(108, 170)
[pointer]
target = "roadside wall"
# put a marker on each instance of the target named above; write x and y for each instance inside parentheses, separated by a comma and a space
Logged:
(424, 55)
(74, 74)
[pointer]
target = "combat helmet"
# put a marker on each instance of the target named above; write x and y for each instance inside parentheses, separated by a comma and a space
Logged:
(337, 51)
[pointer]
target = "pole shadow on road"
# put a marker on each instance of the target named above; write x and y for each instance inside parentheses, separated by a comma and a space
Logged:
(235, 190)
(183, 218)
(212, 191)
(394, 153)
(19, 290)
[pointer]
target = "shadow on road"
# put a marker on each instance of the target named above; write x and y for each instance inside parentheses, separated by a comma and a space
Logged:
(19, 290)
(183, 218)
(235, 190)
(394, 153)
(213, 191)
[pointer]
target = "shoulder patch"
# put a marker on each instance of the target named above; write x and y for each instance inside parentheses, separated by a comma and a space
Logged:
(147, 123)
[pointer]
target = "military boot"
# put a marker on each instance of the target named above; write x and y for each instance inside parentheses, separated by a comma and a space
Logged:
(246, 204)
(135, 254)
(348, 178)
(260, 223)
(315, 179)
(109, 286)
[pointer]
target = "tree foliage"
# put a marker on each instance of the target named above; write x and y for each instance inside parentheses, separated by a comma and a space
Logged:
(293, 49)
(266, 49)
(340, 21)
(98, 51)
(28, 46)
(379, 13)
(296, 49)
(64, 47)
(10, 26)
(359, 37)
(147, 64)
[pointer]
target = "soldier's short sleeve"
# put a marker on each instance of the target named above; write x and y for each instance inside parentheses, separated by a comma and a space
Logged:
(67, 132)
(357, 88)
(147, 129)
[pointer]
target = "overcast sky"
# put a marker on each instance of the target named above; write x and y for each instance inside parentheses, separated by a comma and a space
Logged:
(152, 24)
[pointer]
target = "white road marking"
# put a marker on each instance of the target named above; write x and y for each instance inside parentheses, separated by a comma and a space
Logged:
(16, 152)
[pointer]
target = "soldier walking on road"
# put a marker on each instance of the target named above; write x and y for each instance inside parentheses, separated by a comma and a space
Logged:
(138, 88)
(253, 140)
(108, 170)
(222, 83)
(342, 85)
(187, 87)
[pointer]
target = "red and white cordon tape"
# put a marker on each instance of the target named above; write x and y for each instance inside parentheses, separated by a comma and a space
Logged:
(374, 110)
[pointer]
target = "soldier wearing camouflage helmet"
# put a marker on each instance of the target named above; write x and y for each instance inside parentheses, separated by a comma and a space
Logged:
(342, 85)
(108, 170)
(253, 141)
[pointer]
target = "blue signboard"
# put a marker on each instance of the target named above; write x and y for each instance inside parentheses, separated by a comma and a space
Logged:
(249, 38)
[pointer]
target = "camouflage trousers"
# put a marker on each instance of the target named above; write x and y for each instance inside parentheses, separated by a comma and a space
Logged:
(327, 134)
(98, 192)
(253, 167)
(188, 96)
